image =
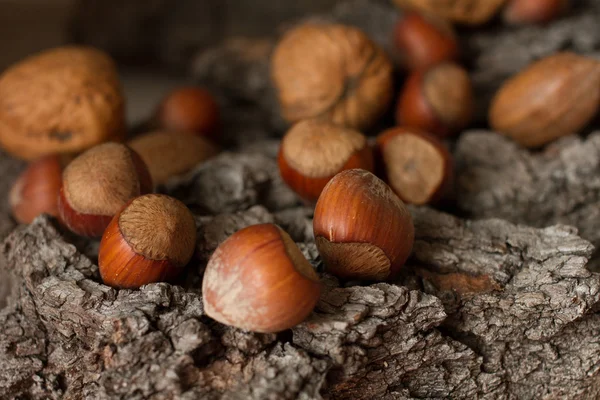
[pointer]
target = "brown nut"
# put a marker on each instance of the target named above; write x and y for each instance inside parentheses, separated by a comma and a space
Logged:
(63, 100)
(417, 166)
(258, 280)
(362, 229)
(439, 100)
(334, 72)
(471, 12)
(36, 190)
(313, 151)
(97, 184)
(150, 240)
(553, 97)
(189, 110)
(169, 154)
(519, 12)
(424, 40)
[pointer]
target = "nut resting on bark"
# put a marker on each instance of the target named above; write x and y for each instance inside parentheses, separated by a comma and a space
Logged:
(331, 71)
(362, 229)
(553, 97)
(313, 151)
(438, 100)
(97, 184)
(417, 165)
(471, 12)
(259, 280)
(169, 154)
(63, 100)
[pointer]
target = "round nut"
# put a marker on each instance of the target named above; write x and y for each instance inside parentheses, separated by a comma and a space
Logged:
(471, 12)
(313, 151)
(63, 100)
(258, 280)
(333, 72)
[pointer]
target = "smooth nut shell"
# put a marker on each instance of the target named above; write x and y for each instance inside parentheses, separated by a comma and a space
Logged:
(331, 71)
(150, 240)
(36, 190)
(553, 97)
(471, 12)
(63, 100)
(362, 229)
(313, 151)
(189, 110)
(438, 100)
(533, 11)
(258, 280)
(168, 154)
(424, 40)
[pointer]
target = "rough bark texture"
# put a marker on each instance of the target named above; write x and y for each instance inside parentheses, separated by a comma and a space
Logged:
(560, 185)
(484, 309)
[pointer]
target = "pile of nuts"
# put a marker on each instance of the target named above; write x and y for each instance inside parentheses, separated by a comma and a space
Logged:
(334, 84)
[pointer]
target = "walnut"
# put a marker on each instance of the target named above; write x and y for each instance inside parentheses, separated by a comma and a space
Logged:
(331, 71)
(62, 100)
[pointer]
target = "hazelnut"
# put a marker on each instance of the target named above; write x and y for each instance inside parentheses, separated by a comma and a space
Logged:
(333, 72)
(470, 12)
(35, 191)
(63, 100)
(258, 280)
(189, 110)
(313, 151)
(169, 154)
(417, 166)
(555, 96)
(519, 12)
(362, 229)
(439, 100)
(97, 184)
(150, 240)
(425, 40)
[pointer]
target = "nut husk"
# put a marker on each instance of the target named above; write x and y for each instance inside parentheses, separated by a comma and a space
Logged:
(62, 100)
(331, 71)
(553, 97)
(471, 12)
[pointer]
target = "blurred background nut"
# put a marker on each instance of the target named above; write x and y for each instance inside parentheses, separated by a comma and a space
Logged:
(471, 12)
(553, 97)
(168, 154)
(424, 40)
(533, 11)
(331, 71)
(438, 100)
(62, 100)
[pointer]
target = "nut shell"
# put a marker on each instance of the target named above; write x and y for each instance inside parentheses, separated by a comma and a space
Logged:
(36, 190)
(424, 40)
(97, 184)
(553, 97)
(313, 151)
(331, 71)
(258, 280)
(438, 100)
(169, 154)
(63, 100)
(150, 240)
(471, 12)
(189, 110)
(533, 11)
(417, 165)
(362, 229)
